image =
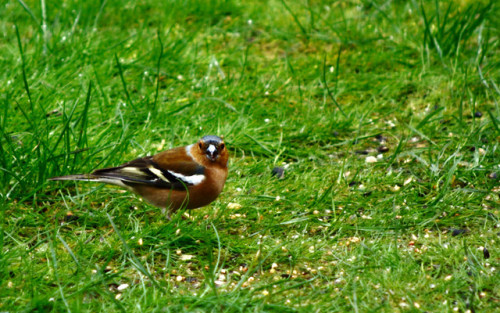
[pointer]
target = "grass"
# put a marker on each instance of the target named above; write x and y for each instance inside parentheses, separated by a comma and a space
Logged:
(316, 87)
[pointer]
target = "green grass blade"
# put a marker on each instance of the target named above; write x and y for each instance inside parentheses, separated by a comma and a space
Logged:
(124, 83)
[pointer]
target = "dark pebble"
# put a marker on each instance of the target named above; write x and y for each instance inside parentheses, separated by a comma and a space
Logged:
(478, 114)
(456, 232)
(472, 149)
(382, 149)
(353, 183)
(279, 172)
(493, 175)
(486, 253)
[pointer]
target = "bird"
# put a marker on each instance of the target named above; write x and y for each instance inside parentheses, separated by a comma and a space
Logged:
(187, 177)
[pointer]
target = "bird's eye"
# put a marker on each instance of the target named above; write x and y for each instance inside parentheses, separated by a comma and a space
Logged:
(222, 146)
(200, 145)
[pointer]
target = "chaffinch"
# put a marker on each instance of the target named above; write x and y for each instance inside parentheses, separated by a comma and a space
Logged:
(184, 177)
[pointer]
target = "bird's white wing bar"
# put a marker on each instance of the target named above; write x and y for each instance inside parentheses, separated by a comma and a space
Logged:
(159, 174)
(133, 170)
(191, 180)
(188, 180)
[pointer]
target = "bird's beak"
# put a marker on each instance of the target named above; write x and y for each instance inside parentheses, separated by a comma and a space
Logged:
(212, 152)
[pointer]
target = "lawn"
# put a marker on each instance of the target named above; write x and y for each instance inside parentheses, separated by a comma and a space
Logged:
(384, 116)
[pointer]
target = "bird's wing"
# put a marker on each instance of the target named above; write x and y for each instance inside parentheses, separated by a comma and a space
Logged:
(170, 169)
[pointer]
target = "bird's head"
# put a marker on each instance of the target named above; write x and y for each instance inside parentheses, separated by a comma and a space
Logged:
(214, 149)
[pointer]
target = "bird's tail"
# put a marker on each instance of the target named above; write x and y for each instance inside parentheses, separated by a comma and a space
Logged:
(87, 177)
(118, 181)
